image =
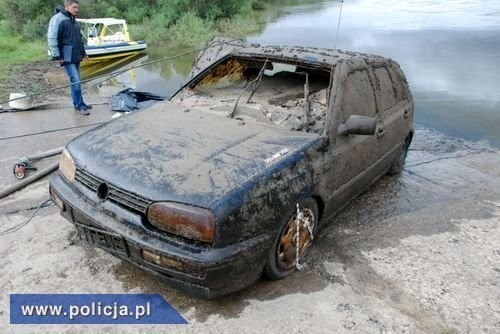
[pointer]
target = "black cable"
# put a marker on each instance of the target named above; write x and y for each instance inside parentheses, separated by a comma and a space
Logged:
(25, 209)
(114, 74)
(19, 226)
(49, 131)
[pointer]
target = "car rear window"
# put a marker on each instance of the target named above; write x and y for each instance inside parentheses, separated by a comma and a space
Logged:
(269, 91)
(385, 88)
(398, 84)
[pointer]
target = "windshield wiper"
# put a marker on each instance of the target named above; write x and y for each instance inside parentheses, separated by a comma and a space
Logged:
(257, 81)
(306, 98)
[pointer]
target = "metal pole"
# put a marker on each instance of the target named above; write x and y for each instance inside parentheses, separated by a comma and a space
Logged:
(46, 154)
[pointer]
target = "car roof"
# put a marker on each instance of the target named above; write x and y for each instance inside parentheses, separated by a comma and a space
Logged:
(220, 48)
(322, 57)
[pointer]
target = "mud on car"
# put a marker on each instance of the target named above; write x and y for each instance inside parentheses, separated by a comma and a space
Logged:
(234, 175)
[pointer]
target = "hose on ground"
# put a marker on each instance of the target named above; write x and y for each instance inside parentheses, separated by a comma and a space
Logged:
(46, 154)
(19, 226)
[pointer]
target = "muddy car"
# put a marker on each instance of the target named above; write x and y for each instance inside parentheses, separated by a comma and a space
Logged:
(234, 175)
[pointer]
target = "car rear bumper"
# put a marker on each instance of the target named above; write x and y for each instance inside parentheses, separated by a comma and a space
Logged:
(197, 270)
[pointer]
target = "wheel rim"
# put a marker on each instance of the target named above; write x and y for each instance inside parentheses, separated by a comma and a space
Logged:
(287, 247)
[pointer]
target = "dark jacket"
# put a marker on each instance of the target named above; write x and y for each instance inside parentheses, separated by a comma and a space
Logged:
(70, 47)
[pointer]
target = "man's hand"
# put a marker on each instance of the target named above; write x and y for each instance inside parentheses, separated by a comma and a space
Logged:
(86, 59)
(57, 60)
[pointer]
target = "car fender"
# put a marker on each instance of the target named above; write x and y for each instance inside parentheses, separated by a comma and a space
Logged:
(258, 206)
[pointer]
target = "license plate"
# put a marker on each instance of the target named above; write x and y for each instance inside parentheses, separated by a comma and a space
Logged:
(103, 239)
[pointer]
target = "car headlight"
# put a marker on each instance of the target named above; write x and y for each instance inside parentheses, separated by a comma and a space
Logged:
(67, 166)
(183, 220)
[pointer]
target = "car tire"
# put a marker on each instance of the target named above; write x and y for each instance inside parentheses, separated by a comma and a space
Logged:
(282, 257)
(399, 163)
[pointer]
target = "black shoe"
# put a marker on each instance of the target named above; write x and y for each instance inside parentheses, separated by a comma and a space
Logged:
(88, 106)
(82, 111)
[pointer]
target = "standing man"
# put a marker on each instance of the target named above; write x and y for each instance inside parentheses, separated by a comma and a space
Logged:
(66, 48)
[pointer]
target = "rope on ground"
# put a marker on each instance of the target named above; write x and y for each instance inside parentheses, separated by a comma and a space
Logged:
(114, 74)
(19, 226)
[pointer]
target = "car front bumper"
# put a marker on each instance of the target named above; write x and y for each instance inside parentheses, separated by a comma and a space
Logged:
(200, 271)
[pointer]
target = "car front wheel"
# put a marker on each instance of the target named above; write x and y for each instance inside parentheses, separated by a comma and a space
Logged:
(294, 240)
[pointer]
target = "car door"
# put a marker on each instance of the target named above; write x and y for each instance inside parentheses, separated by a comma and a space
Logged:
(395, 111)
(347, 161)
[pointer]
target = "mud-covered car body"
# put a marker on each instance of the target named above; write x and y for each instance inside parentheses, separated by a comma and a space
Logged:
(199, 189)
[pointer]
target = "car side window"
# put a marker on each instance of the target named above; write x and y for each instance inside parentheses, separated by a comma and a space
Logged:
(358, 96)
(384, 88)
(397, 84)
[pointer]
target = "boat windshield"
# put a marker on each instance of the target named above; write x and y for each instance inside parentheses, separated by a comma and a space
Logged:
(100, 33)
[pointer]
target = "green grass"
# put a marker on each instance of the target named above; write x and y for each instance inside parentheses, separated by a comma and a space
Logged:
(15, 51)
(191, 31)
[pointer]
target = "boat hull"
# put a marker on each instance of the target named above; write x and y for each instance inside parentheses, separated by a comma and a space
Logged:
(107, 52)
(93, 69)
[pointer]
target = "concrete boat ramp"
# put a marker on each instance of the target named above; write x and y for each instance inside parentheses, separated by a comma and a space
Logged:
(416, 253)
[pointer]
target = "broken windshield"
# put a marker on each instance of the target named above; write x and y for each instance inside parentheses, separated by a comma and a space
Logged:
(287, 95)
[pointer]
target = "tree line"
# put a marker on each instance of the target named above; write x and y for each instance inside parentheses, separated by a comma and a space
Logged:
(29, 18)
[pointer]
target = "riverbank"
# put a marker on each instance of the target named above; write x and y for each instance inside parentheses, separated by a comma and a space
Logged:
(192, 31)
(26, 68)
(17, 57)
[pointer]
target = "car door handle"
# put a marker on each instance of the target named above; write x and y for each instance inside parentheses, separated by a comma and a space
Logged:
(380, 132)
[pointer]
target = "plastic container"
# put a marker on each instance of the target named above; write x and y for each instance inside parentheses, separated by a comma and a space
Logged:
(24, 102)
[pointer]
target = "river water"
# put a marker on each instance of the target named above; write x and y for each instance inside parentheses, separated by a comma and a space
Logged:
(449, 51)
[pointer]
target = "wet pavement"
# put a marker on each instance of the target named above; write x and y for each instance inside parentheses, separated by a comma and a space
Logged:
(26, 133)
(416, 253)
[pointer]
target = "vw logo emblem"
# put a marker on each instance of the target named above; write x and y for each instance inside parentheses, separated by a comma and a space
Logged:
(103, 191)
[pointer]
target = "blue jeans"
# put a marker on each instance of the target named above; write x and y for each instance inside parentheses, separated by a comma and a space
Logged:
(73, 72)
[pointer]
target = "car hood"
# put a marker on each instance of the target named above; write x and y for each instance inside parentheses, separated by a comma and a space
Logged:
(168, 153)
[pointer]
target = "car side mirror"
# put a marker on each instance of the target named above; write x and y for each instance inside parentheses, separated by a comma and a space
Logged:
(358, 125)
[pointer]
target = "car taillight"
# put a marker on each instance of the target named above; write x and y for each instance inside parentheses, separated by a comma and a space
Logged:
(183, 220)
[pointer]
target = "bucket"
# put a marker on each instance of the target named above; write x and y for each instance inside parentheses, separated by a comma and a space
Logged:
(24, 102)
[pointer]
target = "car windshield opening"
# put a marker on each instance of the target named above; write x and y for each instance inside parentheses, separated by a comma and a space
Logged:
(283, 94)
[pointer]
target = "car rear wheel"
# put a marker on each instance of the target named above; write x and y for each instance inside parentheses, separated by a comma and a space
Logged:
(399, 163)
(294, 240)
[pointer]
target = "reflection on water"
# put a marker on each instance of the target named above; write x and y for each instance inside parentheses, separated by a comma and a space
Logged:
(114, 75)
(165, 77)
(420, 14)
(150, 73)
(103, 68)
(449, 51)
